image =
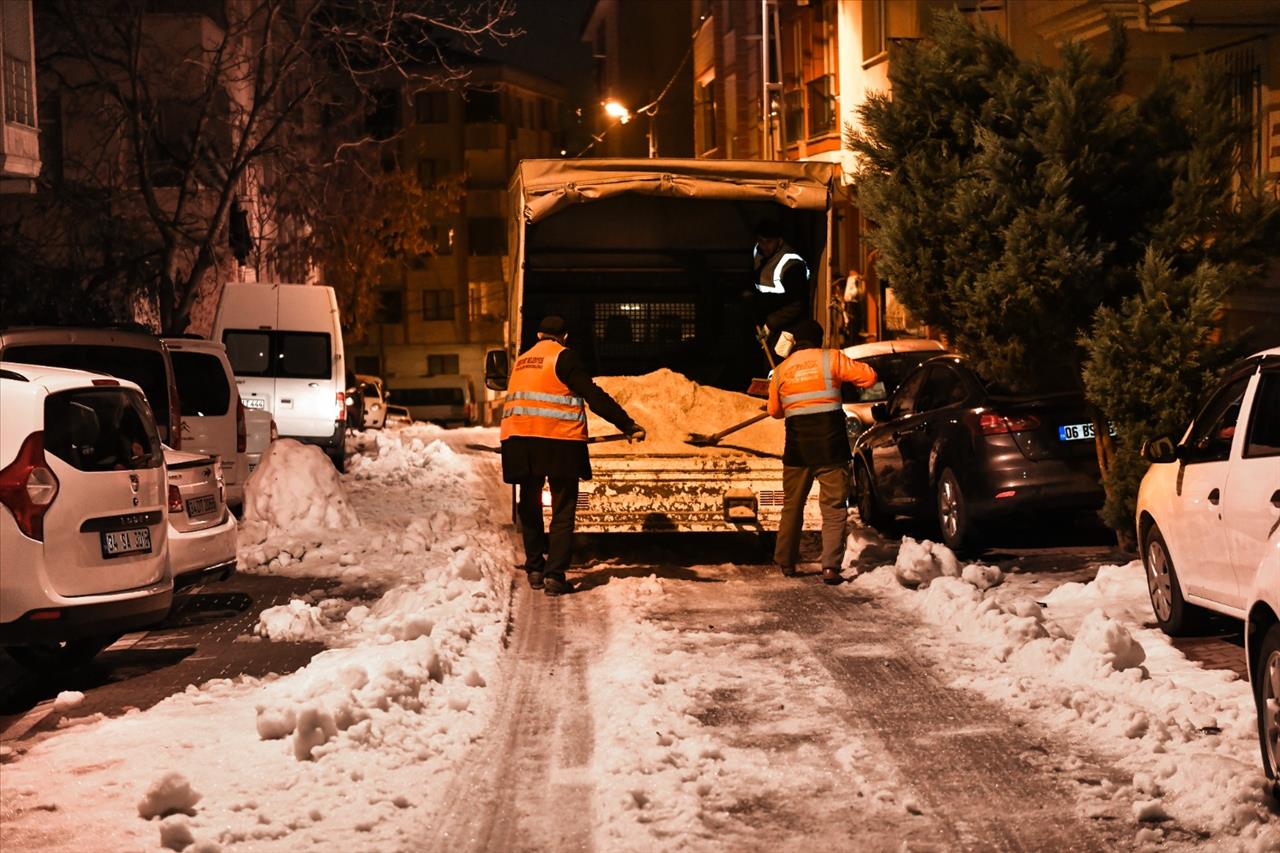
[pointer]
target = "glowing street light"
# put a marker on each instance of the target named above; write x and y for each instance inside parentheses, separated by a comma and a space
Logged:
(613, 109)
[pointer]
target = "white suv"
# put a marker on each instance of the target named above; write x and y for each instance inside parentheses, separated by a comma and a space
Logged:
(83, 539)
(213, 419)
(1208, 506)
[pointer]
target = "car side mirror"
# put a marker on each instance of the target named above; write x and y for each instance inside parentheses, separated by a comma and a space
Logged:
(1160, 450)
(880, 412)
(497, 370)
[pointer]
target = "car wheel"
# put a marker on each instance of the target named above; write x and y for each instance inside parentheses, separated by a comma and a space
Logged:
(1173, 614)
(65, 655)
(870, 510)
(1266, 691)
(957, 528)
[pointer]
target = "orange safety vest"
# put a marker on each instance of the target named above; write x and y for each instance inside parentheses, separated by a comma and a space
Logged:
(805, 385)
(538, 404)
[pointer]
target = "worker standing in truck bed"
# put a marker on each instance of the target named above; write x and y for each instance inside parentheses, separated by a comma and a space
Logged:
(806, 391)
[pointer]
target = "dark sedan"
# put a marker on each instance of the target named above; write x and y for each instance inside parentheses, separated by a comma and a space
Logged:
(953, 447)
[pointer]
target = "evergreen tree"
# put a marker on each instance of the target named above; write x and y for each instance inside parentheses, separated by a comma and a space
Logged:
(1031, 213)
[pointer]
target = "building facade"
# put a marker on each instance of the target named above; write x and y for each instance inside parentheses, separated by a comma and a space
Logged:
(439, 315)
(20, 142)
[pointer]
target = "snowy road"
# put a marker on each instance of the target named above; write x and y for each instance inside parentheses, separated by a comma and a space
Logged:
(685, 698)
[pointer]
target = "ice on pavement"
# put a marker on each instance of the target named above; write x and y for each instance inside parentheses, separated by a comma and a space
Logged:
(1083, 659)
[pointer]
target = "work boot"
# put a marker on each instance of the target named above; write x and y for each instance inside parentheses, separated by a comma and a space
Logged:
(789, 571)
(535, 580)
(556, 585)
(831, 576)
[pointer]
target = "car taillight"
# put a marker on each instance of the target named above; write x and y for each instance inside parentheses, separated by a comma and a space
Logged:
(275, 433)
(993, 423)
(175, 419)
(242, 431)
(546, 497)
(28, 487)
(341, 397)
(175, 499)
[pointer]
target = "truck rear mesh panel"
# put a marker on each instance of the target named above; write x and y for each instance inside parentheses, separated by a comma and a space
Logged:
(620, 328)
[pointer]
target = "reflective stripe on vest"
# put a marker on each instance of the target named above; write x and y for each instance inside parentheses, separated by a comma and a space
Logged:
(769, 277)
(812, 394)
(538, 404)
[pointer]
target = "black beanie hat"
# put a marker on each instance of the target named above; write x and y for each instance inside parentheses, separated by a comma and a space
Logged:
(808, 331)
(553, 324)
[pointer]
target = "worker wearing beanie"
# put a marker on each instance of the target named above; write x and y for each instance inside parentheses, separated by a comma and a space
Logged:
(544, 439)
(806, 391)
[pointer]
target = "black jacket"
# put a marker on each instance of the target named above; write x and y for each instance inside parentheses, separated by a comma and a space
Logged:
(525, 457)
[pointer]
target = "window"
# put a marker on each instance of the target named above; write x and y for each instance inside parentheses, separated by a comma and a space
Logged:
(432, 171)
(19, 103)
(793, 116)
(488, 300)
(482, 106)
(705, 112)
(890, 370)
(942, 387)
(104, 429)
(203, 388)
(873, 30)
(292, 355)
(390, 306)
(1215, 426)
(431, 107)
(383, 114)
(437, 305)
(487, 235)
(368, 365)
(1263, 438)
(442, 237)
(442, 365)
(903, 402)
(144, 367)
(822, 105)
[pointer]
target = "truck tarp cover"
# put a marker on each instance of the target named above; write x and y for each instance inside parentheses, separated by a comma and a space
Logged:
(542, 187)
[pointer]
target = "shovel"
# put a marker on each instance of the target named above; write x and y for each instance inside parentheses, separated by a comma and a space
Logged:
(595, 439)
(699, 440)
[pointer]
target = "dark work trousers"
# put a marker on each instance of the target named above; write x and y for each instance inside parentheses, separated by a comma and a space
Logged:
(549, 555)
(833, 489)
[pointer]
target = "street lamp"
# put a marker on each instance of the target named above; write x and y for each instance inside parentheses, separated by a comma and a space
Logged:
(618, 112)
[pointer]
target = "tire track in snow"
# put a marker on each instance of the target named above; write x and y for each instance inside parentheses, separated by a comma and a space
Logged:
(977, 771)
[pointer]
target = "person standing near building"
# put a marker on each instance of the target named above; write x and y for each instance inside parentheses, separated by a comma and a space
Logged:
(805, 390)
(544, 440)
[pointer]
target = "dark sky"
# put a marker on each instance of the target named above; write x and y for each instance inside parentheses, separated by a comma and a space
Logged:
(550, 45)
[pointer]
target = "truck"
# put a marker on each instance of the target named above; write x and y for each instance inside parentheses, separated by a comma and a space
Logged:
(648, 261)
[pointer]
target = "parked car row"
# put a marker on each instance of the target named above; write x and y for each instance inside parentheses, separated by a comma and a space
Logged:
(445, 400)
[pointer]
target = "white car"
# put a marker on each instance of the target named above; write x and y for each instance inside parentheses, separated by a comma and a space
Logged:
(1209, 505)
(202, 531)
(375, 402)
(83, 540)
(213, 419)
(1262, 650)
(892, 361)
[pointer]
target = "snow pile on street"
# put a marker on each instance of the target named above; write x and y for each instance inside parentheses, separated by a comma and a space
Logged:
(670, 407)
(1082, 659)
(353, 751)
(296, 487)
(408, 456)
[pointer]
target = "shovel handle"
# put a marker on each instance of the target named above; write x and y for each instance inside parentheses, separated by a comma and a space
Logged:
(763, 337)
(596, 439)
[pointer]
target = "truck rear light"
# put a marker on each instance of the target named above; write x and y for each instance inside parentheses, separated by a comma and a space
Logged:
(44, 615)
(242, 430)
(994, 423)
(175, 499)
(175, 419)
(1007, 493)
(341, 398)
(546, 498)
(28, 487)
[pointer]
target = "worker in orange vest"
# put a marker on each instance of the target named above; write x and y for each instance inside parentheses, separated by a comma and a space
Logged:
(805, 390)
(544, 439)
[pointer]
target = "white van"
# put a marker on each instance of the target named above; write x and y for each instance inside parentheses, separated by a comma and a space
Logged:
(446, 400)
(285, 346)
(213, 419)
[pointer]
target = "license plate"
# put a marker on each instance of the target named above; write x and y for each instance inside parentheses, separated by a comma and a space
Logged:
(118, 543)
(253, 402)
(202, 505)
(1077, 432)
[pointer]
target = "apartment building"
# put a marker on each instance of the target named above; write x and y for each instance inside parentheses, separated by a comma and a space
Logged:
(782, 79)
(20, 142)
(439, 315)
